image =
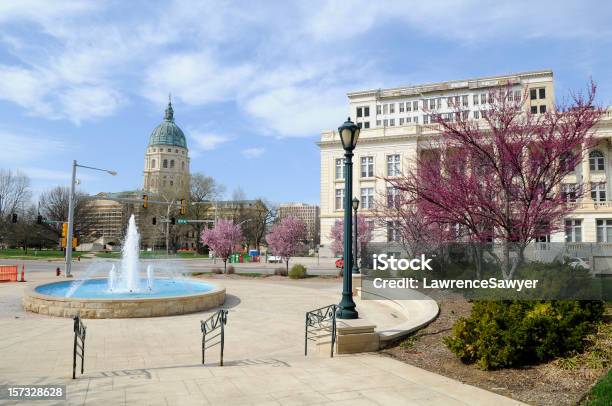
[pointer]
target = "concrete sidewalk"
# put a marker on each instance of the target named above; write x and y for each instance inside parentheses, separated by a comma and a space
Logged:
(156, 361)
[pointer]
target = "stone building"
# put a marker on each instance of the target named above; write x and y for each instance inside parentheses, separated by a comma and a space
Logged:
(396, 122)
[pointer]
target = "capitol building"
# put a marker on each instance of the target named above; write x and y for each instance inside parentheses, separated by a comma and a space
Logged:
(165, 178)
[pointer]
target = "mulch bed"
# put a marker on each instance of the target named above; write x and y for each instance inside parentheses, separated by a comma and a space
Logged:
(545, 384)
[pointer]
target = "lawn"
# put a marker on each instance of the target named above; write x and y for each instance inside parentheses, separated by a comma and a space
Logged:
(18, 253)
(601, 393)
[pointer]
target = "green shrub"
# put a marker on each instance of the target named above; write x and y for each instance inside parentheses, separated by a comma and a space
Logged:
(297, 271)
(500, 334)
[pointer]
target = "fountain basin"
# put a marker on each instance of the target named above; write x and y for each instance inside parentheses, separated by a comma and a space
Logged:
(170, 297)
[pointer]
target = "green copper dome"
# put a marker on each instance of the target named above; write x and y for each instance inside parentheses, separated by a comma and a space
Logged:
(168, 133)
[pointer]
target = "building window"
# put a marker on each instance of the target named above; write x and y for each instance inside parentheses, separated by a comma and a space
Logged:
(604, 230)
(169, 150)
(366, 124)
(172, 163)
(475, 100)
(183, 165)
(533, 94)
(534, 109)
(393, 165)
(339, 205)
(171, 183)
(517, 95)
(542, 93)
(415, 105)
(425, 119)
(464, 100)
(165, 163)
(392, 108)
(476, 114)
(432, 103)
(415, 120)
(483, 98)
(393, 197)
(366, 111)
(385, 108)
(391, 122)
(385, 122)
(542, 109)
(401, 107)
(596, 161)
(367, 166)
(367, 198)
(340, 171)
(598, 192)
(401, 121)
(393, 231)
(359, 112)
(568, 191)
(153, 163)
(408, 106)
(378, 109)
(573, 230)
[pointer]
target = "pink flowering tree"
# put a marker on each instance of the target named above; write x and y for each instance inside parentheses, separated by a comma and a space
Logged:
(501, 179)
(287, 238)
(222, 239)
(364, 235)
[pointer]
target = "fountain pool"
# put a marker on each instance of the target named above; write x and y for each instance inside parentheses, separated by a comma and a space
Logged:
(124, 292)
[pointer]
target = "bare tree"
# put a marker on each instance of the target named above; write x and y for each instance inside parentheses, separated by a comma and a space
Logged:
(54, 206)
(205, 190)
(14, 196)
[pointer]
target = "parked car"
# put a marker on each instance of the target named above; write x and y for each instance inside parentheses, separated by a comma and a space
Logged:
(576, 262)
(275, 259)
(340, 263)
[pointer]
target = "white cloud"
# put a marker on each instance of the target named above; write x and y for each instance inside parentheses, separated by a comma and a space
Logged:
(252, 152)
(207, 141)
(19, 148)
(88, 102)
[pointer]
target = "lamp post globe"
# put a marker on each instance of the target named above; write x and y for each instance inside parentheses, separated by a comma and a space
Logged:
(355, 227)
(349, 134)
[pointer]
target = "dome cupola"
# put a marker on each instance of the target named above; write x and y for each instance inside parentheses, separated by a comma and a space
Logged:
(168, 133)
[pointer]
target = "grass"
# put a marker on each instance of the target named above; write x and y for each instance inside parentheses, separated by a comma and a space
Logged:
(601, 393)
(17, 253)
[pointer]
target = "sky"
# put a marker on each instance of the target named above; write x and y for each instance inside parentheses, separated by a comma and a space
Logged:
(253, 83)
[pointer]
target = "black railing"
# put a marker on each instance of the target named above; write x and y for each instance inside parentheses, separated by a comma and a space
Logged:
(214, 323)
(79, 345)
(321, 323)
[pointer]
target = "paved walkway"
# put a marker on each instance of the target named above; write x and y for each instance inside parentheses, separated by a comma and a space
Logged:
(156, 361)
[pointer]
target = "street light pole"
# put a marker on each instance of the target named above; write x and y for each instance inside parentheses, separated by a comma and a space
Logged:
(349, 134)
(71, 203)
(70, 222)
(356, 226)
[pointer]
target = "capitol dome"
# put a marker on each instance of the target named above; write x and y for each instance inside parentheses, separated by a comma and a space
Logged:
(168, 133)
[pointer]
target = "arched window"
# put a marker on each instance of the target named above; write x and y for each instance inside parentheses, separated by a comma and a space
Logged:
(165, 163)
(153, 163)
(172, 163)
(183, 165)
(596, 160)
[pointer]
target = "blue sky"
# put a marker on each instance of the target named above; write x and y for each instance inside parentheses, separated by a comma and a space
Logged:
(253, 82)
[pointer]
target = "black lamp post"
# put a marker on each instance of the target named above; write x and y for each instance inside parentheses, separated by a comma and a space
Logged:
(349, 134)
(355, 226)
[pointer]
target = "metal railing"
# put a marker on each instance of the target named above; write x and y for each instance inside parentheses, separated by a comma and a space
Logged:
(215, 323)
(320, 323)
(79, 335)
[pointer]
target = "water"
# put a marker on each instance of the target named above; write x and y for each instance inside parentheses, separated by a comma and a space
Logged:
(98, 289)
(124, 277)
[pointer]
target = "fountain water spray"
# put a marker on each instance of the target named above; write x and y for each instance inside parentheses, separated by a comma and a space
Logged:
(128, 279)
(150, 277)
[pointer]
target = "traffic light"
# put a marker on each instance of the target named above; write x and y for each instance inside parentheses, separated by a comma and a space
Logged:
(39, 219)
(154, 220)
(74, 242)
(183, 207)
(145, 201)
(172, 220)
(14, 218)
(64, 230)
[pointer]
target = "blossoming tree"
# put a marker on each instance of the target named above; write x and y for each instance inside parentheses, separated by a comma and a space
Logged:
(222, 239)
(364, 235)
(501, 179)
(287, 238)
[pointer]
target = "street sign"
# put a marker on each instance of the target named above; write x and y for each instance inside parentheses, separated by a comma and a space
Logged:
(182, 221)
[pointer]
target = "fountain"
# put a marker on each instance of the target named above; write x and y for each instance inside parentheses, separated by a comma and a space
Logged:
(123, 293)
